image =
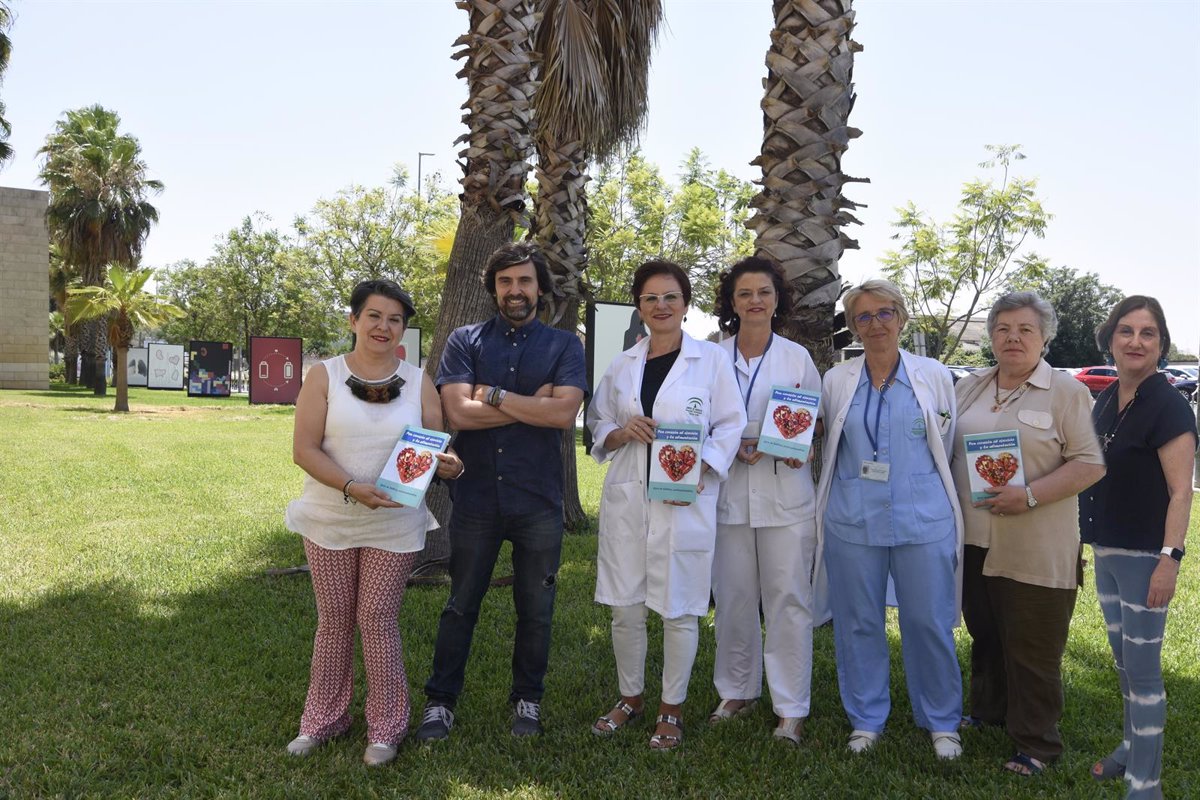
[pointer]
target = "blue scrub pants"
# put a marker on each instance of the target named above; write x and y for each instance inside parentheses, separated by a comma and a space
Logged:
(923, 575)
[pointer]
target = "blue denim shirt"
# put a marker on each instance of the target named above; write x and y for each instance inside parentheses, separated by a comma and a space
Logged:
(517, 468)
(912, 506)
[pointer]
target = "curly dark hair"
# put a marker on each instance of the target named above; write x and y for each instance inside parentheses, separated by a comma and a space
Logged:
(727, 320)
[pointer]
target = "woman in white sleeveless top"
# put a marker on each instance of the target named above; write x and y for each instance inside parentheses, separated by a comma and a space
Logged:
(361, 545)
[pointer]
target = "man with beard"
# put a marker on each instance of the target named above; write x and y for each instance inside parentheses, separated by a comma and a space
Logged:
(509, 385)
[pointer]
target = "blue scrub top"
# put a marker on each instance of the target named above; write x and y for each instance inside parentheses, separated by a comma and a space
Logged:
(912, 506)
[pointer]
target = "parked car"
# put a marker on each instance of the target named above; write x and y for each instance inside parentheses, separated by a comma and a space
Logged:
(1097, 379)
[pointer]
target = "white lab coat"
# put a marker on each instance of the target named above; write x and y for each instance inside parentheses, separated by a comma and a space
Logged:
(934, 390)
(769, 494)
(651, 552)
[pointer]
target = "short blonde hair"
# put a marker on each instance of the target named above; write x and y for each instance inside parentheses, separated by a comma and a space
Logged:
(880, 288)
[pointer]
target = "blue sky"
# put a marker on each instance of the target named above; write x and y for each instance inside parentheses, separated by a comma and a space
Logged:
(268, 106)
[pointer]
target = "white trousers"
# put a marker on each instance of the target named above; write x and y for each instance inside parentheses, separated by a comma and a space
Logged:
(681, 637)
(771, 566)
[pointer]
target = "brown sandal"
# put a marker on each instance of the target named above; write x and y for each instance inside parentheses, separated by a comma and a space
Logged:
(607, 726)
(667, 741)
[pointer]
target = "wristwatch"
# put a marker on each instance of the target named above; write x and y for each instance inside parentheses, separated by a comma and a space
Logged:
(1030, 500)
(1174, 552)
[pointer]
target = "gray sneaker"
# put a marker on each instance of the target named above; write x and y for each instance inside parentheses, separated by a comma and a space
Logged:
(527, 719)
(436, 723)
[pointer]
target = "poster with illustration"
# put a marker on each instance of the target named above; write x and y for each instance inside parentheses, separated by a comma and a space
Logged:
(137, 366)
(610, 328)
(165, 365)
(409, 348)
(209, 368)
(276, 364)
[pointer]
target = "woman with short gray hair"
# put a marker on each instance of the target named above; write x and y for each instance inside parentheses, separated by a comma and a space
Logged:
(1021, 566)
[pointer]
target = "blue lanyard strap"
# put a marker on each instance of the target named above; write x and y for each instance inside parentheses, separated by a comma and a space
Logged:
(754, 376)
(873, 438)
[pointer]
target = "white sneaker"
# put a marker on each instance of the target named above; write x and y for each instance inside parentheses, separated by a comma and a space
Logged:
(862, 741)
(379, 753)
(303, 745)
(947, 744)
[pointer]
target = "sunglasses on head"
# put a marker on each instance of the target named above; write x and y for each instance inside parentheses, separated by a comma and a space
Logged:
(375, 391)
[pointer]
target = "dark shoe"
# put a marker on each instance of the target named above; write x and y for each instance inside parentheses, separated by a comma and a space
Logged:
(1025, 765)
(527, 719)
(436, 723)
(1108, 769)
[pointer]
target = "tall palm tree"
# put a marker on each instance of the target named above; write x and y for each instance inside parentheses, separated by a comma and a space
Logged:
(6, 151)
(98, 212)
(501, 79)
(124, 305)
(590, 101)
(801, 209)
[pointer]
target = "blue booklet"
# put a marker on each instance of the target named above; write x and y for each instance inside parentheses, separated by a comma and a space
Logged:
(788, 425)
(675, 461)
(412, 464)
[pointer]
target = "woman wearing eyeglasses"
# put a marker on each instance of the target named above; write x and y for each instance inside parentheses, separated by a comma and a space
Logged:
(886, 507)
(361, 545)
(766, 516)
(657, 555)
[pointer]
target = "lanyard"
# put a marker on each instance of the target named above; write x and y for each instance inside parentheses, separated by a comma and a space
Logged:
(754, 376)
(874, 438)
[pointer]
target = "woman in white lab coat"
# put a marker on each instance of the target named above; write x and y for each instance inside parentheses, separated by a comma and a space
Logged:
(657, 555)
(766, 516)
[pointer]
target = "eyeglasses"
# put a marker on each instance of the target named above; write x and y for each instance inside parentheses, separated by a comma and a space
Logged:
(884, 315)
(670, 298)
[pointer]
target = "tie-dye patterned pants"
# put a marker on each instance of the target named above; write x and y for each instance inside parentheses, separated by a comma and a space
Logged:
(360, 587)
(1135, 634)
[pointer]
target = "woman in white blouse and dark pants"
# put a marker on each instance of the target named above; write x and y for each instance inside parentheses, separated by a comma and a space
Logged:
(766, 516)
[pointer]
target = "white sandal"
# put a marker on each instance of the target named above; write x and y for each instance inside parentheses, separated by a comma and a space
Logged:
(789, 729)
(723, 711)
(862, 741)
(947, 744)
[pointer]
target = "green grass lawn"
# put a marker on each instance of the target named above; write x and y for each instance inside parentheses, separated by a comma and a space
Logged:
(145, 653)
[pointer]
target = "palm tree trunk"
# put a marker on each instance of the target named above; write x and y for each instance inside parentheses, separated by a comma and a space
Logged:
(71, 358)
(100, 345)
(121, 373)
(801, 208)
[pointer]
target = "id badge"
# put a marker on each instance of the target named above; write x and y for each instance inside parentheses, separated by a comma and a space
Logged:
(875, 471)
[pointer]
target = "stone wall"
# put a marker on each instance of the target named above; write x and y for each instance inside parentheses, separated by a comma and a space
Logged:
(24, 290)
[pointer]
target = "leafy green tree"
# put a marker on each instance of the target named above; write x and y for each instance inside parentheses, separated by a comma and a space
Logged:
(6, 151)
(637, 215)
(99, 213)
(1082, 304)
(381, 232)
(124, 305)
(949, 272)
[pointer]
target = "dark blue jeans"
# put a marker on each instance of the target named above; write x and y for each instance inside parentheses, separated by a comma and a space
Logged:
(474, 546)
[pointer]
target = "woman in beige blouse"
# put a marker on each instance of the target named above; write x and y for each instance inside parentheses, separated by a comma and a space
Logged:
(1021, 560)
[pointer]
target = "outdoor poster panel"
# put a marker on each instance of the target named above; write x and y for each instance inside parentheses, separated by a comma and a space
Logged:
(165, 364)
(610, 328)
(137, 366)
(409, 348)
(275, 369)
(209, 367)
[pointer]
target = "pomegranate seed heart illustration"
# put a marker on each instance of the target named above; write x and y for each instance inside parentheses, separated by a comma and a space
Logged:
(791, 423)
(997, 471)
(677, 463)
(412, 465)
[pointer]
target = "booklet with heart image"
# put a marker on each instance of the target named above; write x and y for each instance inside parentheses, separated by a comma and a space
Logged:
(412, 464)
(993, 459)
(788, 425)
(675, 461)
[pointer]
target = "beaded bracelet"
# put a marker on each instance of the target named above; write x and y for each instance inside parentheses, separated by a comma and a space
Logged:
(346, 498)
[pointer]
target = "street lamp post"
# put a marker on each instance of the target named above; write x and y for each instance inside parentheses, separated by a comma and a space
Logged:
(419, 157)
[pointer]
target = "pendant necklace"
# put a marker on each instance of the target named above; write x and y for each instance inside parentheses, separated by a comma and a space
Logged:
(1013, 394)
(1106, 439)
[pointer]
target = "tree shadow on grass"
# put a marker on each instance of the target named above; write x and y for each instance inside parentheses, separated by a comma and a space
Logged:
(111, 691)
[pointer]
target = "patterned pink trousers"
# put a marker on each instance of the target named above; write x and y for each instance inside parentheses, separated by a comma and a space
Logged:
(361, 586)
